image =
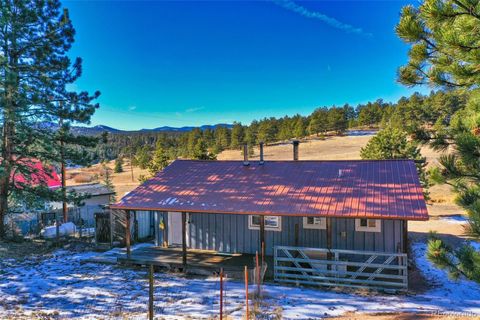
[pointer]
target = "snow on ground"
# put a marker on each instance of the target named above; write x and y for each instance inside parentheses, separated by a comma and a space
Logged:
(455, 219)
(62, 285)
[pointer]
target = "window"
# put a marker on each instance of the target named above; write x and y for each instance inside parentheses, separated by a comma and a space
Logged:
(272, 223)
(368, 225)
(314, 223)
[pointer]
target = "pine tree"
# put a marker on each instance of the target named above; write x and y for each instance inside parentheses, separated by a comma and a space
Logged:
(445, 52)
(107, 180)
(118, 165)
(392, 143)
(159, 160)
(444, 40)
(200, 151)
(237, 136)
(34, 72)
(299, 130)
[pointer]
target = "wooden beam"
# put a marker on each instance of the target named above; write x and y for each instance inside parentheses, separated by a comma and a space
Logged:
(329, 238)
(262, 243)
(297, 235)
(150, 292)
(135, 226)
(405, 236)
(184, 241)
(127, 231)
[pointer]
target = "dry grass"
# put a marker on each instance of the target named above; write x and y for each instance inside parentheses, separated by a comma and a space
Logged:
(82, 178)
(123, 181)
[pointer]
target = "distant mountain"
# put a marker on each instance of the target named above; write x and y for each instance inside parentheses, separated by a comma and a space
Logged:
(186, 129)
(102, 128)
(95, 130)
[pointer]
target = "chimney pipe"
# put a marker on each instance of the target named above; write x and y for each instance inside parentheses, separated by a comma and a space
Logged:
(262, 161)
(245, 155)
(295, 149)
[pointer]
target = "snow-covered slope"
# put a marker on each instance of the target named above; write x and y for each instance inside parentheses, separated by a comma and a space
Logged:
(62, 285)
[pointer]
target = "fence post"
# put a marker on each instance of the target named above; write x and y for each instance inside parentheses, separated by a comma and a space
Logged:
(150, 292)
(246, 293)
(57, 227)
(111, 227)
(221, 294)
(257, 266)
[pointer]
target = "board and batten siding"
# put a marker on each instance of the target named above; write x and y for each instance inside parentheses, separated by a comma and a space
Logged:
(229, 233)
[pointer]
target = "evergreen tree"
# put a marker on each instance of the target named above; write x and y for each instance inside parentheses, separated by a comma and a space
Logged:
(444, 40)
(299, 130)
(201, 152)
(118, 165)
(142, 157)
(159, 160)
(392, 143)
(34, 72)
(337, 120)
(237, 136)
(222, 137)
(107, 180)
(444, 52)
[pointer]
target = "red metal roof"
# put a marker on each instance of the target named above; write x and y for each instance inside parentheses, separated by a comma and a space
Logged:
(387, 189)
(41, 174)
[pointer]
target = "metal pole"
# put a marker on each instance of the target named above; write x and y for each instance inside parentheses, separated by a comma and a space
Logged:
(150, 292)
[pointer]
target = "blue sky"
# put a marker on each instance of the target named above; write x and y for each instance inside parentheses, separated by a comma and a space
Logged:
(192, 63)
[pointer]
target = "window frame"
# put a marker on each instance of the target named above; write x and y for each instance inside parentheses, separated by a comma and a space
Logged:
(252, 226)
(367, 228)
(321, 226)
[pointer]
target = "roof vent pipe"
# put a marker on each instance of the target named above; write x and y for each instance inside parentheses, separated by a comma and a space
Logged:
(245, 155)
(262, 161)
(295, 149)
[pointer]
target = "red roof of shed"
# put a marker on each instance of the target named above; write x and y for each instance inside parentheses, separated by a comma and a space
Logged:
(41, 174)
(387, 189)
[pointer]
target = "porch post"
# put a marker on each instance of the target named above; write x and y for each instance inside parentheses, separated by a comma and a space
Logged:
(135, 226)
(127, 232)
(262, 235)
(184, 240)
(405, 236)
(329, 237)
(156, 227)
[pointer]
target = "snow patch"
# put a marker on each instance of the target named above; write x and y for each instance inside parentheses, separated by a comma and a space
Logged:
(455, 219)
(65, 229)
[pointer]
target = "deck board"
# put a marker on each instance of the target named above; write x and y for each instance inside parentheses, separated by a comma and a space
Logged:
(172, 258)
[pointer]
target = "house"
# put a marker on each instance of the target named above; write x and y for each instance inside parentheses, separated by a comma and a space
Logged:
(342, 223)
(98, 196)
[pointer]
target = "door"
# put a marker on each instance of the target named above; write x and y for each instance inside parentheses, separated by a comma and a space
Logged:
(174, 228)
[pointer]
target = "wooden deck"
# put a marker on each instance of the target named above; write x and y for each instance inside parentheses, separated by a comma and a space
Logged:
(198, 261)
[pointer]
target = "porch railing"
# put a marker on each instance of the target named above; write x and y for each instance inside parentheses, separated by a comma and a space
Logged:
(340, 268)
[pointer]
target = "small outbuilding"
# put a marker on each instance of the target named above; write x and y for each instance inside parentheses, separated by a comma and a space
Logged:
(331, 223)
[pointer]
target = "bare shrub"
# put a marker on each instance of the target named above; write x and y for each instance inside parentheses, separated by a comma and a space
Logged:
(83, 178)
